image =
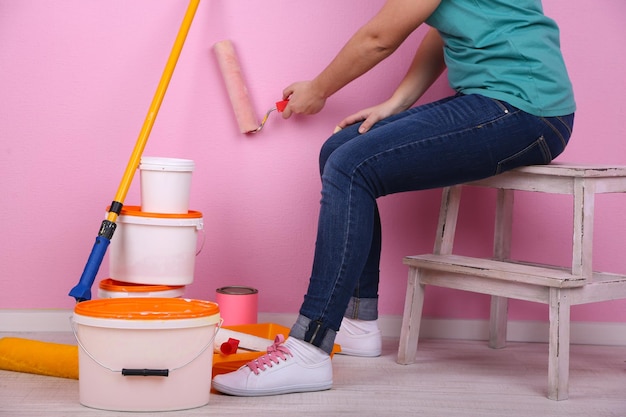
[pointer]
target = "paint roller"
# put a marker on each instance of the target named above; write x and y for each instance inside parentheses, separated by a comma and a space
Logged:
(229, 341)
(42, 358)
(236, 88)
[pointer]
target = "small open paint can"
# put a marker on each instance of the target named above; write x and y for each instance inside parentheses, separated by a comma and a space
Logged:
(238, 304)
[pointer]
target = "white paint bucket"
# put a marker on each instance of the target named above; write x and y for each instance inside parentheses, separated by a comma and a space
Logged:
(110, 288)
(155, 248)
(165, 184)
(145, 354)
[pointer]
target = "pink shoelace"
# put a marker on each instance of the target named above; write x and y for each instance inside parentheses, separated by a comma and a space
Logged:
(274, 353)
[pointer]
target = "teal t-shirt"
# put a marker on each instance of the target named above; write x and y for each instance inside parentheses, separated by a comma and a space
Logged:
(507, 50)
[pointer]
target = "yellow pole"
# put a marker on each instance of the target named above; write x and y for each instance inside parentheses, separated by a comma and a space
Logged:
(140, 145)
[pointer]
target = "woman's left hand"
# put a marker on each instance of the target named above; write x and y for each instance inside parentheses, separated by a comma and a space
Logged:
(370, 116)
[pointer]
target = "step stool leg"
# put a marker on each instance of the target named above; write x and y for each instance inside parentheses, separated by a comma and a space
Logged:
(411, 318)
(503, 231)
(584, 205)
(558, 361)
(448, 215)
(498, 322)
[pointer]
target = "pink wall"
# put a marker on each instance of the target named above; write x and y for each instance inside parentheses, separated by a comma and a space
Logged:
(77, 77)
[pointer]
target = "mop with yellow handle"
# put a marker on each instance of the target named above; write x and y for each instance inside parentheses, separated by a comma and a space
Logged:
(82, 291)
(60, 360)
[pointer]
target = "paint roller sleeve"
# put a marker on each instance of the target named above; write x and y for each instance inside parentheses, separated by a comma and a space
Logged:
(35, 357)
(235, 86)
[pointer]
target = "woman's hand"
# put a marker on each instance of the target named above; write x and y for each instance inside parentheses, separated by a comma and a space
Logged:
(304, 98)
(371, 115)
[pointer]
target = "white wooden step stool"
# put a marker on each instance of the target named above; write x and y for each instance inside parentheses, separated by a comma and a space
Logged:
(503, 278)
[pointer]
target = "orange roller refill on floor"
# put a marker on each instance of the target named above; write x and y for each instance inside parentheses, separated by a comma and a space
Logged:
(35, 357)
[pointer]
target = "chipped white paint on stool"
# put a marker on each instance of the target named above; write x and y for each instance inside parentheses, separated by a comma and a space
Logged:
(503, 278)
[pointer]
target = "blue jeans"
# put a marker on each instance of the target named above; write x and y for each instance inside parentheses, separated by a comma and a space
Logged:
(451, 141)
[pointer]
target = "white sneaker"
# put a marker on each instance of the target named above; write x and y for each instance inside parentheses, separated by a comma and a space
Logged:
(279, 372)
(359, 338)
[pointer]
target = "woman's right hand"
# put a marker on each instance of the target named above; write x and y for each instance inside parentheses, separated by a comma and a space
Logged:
(304, 98)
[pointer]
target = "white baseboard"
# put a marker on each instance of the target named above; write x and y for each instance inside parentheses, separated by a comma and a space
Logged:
(584, 333)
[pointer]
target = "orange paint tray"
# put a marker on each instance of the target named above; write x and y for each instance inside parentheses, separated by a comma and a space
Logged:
(227, 363)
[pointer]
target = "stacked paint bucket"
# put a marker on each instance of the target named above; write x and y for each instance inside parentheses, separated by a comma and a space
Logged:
(154, 248)
(142, 346)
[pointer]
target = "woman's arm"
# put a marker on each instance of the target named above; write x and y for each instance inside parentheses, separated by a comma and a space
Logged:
(427, 66)
(371, 44)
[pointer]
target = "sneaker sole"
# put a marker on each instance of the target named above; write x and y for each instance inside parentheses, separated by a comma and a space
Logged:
(351, 345)
(360, 353)
(274, 391)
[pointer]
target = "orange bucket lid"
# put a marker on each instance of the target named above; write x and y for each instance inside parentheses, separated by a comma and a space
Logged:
(136, 211)
(146, 308)
(110, 284)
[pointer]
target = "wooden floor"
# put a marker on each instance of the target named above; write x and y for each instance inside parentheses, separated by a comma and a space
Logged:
(450, 378)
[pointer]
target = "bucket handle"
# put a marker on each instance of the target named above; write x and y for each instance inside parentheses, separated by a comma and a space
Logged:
(144, 372)
(203, 241)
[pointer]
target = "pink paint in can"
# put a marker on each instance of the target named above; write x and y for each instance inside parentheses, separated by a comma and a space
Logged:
(238, 304)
